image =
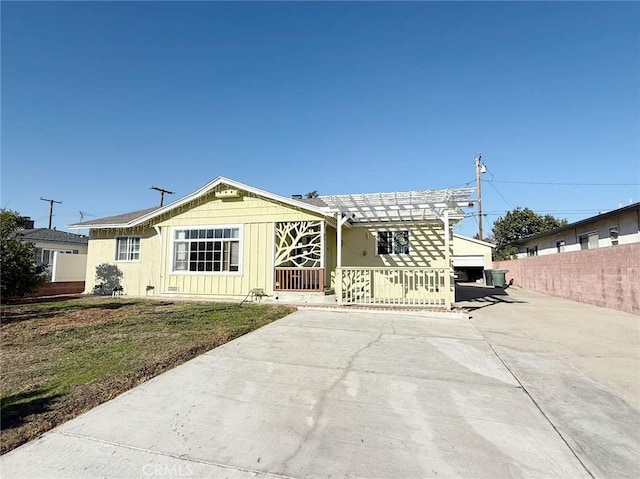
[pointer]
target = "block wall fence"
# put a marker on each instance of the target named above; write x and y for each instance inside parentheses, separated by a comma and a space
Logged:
(608, 277)
(62, 287)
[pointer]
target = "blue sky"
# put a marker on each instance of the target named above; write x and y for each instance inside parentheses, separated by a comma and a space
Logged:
(101, 101)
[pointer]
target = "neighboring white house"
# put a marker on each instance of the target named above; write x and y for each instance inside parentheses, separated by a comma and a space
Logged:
(471, 257)
(620, 226)
(64, 254)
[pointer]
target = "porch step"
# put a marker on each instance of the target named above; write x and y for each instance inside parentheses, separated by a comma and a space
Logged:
(304, 297)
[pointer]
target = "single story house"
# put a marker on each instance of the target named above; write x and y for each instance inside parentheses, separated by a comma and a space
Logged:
(611, 228)
(229, 239)
(471, 257)
(64, 254)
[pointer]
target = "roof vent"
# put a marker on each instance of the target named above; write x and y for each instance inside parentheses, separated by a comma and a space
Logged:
(228, 193)
(296, 197)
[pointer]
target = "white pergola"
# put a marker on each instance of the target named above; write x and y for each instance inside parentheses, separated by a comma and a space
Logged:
(376, 209)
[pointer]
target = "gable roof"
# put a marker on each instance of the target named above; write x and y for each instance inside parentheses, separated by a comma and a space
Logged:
(362, 208)
(592, 219)
(474, 240)
(52, 236)
(114, 220)
(137, 217)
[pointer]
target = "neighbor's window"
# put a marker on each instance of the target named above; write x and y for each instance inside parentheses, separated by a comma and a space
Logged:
(560, 246)
(589, 240)
(393, 242)
(209, 250)
(613, 235)
(45, 256)
(532, 251)
(128, 248)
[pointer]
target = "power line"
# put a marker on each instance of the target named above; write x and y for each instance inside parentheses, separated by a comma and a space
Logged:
(558, 183)
(500, 194)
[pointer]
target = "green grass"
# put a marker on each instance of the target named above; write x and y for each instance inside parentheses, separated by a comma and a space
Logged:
(60, 359)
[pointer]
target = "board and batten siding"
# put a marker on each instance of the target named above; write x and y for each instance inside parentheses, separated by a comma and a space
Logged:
(426, 247)
(256, 217)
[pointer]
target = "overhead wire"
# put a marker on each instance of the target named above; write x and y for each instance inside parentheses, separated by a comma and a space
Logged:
(562, 183)
(490, 182)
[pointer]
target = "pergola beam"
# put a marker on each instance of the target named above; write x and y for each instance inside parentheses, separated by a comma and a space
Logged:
(413, 206)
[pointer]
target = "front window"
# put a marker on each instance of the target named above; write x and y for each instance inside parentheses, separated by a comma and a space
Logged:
(128, 248)
(207, 250)
(393, 242)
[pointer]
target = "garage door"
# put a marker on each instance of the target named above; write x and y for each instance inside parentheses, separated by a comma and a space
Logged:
(468, 261)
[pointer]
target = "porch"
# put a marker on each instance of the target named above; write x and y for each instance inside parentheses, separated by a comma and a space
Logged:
(371, 286)
(394, 286)
(374, 249)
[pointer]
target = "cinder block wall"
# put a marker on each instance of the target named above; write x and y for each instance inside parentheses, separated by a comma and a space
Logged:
(608, 277)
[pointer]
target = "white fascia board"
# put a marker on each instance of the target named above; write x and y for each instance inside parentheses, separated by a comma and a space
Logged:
(96, 226)
(484, 243)
(204, 190)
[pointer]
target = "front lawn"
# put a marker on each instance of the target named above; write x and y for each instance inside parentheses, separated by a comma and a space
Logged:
(60, 359)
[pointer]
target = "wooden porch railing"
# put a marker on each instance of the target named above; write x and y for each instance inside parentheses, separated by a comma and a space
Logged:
(299, 279)
(399, 286)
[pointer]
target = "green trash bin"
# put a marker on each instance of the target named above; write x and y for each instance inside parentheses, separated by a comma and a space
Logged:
(498, 276)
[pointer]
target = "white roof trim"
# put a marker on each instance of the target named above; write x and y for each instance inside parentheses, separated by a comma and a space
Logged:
(377, 208)
(484, 243)
(203, 191)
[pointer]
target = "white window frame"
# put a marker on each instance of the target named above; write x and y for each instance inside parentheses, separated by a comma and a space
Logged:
(173, 241)
(128, 253)
(393, 239)
(40, 253)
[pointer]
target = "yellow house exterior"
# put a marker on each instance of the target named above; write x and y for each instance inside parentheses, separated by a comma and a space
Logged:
(229, 239)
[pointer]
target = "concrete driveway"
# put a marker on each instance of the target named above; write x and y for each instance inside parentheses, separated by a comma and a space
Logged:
(318, 394)
(580, 363)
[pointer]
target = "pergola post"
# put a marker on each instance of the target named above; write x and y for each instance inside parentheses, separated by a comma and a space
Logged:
(341, 221)
(448, 283)
(339, 242)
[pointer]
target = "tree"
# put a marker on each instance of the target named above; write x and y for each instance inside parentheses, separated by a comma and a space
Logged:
(19, 274)
(312, 194)
(518, 224)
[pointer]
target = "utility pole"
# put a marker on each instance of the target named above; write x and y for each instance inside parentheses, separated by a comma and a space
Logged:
(162, 192)
(480, 168)
(51, 202)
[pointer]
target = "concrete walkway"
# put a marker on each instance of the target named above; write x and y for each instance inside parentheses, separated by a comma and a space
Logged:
(321, 394)
(579, 363)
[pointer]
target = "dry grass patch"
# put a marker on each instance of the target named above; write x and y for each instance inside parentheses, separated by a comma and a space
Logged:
(60, 359)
